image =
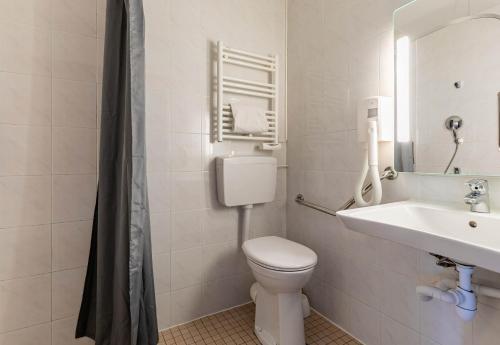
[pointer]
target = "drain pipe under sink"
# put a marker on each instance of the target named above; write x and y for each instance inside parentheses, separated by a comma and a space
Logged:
(480, 290)
(462, 295)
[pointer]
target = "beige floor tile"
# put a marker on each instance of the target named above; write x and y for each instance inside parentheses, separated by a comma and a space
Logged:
(235, 327)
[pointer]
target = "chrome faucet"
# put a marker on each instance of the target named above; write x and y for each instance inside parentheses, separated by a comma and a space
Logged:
(478, 198)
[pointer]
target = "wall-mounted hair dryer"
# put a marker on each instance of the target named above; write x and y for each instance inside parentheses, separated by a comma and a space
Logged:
(375, 124)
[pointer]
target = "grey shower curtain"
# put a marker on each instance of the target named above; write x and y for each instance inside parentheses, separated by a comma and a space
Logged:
(118, 305)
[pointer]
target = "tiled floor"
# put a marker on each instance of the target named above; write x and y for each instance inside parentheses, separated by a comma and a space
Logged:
(235, 326)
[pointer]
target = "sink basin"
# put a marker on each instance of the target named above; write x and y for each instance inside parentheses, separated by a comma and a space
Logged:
(468, 237)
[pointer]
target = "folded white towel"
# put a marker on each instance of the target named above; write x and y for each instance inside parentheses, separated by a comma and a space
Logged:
(249, 119)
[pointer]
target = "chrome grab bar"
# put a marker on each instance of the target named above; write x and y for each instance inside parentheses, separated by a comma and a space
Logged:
(389, 173)
(300, 200)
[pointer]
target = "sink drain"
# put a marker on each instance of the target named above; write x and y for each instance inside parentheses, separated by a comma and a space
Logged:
(473, 224)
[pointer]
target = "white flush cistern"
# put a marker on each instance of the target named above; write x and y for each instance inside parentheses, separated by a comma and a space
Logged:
(244, 181)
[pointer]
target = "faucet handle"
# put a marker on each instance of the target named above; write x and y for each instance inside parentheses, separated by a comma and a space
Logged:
(478, 186)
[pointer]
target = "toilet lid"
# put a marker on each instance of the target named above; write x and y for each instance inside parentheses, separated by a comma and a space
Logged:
(279, 254)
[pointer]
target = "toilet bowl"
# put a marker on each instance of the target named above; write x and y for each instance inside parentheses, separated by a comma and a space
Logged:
(282, 268)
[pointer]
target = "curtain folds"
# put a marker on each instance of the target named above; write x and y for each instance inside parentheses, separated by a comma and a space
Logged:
(118, 305)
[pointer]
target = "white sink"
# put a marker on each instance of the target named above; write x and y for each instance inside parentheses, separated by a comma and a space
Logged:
(433, 228)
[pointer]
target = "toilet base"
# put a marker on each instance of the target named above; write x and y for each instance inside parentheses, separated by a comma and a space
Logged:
(279, 318)
(306, 307)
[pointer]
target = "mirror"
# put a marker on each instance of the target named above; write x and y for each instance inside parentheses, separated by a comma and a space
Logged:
(447, 80)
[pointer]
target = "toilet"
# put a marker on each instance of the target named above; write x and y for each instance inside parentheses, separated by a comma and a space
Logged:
(280, 266)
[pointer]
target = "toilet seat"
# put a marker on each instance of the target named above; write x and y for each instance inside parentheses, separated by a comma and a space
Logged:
(279, 254)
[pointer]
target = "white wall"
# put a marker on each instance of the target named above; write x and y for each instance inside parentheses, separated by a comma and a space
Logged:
(50, 82)
(471, 55)
(339, 52)
(50, 63)
(199, 266)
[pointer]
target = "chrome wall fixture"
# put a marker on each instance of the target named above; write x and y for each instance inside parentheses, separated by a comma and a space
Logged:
(389, 174)
(478, 199)
(453, 124)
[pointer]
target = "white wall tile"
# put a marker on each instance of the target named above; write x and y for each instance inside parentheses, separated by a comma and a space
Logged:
(485, 323)
(225, 293)
(75, 57)
(36, 335)
(101, 22)
(24, 251)
(185, 304)
(399, 300)
(363, 247)
(74, 150)
(25, 99)
(159, 147)
(24, 200)
(28, 12)
(364, 282)
(162, 272)
(393, 333)
(74, 103)
(70, 244)
(221, 260)
(335, 266)
(365, 323)
(186, 152)
(163, 309)
(186, 229)
(63, 333)
(100, 59)
(220, 226)
(187, 268)
(25, 49)
(156, 11)
(186, 115)
(75, 16)
(187, 191)
(67, 290)
(426, 341)
(161, 232)
(73, 197)
(159, 191)
(24, 302)
(439, 322)
(338, 309)
(25, 150)
(407, 262)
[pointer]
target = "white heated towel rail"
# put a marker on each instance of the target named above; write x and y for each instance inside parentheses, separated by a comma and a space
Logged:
(228, 86)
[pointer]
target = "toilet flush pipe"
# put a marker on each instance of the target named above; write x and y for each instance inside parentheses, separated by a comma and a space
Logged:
(245, 221)
(370, 166)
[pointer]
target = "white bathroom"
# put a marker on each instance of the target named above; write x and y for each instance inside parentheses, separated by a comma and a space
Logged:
(275, 172)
